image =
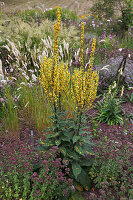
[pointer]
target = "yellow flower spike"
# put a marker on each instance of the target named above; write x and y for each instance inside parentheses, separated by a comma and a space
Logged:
(84, 87)
(81, 44)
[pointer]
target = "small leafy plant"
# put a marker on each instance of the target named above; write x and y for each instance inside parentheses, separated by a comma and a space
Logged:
(19, 177)
(109, 109)
(112, 170)
(130, 97)
(51, 182)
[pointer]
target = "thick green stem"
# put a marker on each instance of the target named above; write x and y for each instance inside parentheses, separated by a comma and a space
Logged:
(56, 118)
(59, 102)
(79, 121)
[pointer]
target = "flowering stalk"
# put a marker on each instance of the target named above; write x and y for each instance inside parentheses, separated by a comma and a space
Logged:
(81, 44)
(93, 46)
(84, 83)
(55, 77)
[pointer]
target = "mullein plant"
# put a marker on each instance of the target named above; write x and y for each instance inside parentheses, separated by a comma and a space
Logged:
(69, 134)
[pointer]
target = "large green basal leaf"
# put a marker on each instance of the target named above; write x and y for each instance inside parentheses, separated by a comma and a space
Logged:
(86, 140)
(84, 179)
(88, 150)
(86, 162)
(83, 150)
(71, 154)
(67, 134)
(76, 169)
(79, 150)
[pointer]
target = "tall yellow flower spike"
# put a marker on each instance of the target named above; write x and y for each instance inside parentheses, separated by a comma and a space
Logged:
(93, 47)
(81, 44)
(84, 88)
(84, 83)
(55, 77)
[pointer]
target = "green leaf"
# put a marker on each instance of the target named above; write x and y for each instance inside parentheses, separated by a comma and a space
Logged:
(79, 150)
(64, 138)
(67, 134)
(86, 162)
(87, 140)
(75, 138)
(47, 143)
(58, 142)
(83, 150)
(84, 179)
(87, 149)
(85, 127)
(76, 169)
(72, 154)
(83, 132)
(42, 148)
(52, 135)
(63, 150)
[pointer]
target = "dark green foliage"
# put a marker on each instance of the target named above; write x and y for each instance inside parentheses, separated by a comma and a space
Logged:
(104, 8)
(31, 15)
(109, 9)
(38, 16)
(66, 14)
(73, 147)
(130, 97)
(109, 110)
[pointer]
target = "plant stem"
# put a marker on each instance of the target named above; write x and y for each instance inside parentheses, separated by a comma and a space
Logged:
(56, 118)
(79, 121)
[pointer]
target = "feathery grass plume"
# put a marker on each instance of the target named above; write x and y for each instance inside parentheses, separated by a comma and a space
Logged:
(81, 44)
(1, 71)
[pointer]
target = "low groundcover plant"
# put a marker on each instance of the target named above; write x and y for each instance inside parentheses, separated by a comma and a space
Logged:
(112, 170)
(51, 182)
(19, 179)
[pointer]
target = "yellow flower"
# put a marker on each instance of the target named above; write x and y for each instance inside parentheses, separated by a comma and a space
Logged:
(81, 44)
(82, 17)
